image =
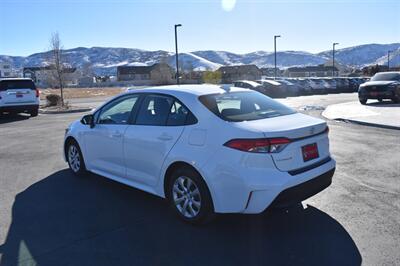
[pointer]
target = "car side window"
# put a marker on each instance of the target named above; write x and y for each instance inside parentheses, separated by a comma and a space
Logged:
(177, 115)
(118, 111)
(154, 110)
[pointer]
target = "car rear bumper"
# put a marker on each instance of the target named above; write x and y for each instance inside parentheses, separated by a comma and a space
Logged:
(19, 108)
(250, 183)
(304, 190)
(306, 185)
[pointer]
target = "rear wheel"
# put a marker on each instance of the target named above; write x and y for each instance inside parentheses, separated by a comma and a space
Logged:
(363, 101)
(396, 99)
(34, 113)
(189, 196)
(75, 158)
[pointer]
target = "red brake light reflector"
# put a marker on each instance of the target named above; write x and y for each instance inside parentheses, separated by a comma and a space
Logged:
(258, 145)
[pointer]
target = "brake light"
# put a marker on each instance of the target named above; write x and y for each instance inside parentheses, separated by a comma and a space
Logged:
(37, 92)
(272, 145)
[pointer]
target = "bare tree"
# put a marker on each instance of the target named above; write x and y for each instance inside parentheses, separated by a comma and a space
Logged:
(57, 63)
(87, 70)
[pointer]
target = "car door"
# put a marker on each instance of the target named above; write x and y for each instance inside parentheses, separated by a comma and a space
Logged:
(159, 124)
(104, 142)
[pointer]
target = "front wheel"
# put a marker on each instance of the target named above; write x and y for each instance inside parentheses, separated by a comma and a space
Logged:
(34, 113)
(75, 159)
(189, 197)
(363, 101)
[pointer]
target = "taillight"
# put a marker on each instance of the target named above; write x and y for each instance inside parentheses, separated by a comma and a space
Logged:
(272, 145)
(37, 92)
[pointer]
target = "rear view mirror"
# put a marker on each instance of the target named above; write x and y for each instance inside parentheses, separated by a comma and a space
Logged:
(88, 120)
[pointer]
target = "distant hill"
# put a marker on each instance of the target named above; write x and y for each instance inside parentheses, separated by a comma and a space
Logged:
(105, 60)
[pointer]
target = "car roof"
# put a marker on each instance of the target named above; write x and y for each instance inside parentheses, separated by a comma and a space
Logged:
(389, 72)
(250, 82)
(273, 82)
(196, 90)
(14, 79)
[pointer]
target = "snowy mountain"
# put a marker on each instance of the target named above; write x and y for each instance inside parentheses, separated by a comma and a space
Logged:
(105, 60)
(363, 54)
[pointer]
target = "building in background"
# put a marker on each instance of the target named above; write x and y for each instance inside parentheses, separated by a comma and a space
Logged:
(229, 74)
(269, 72)
(6, 71)
(157, 74)
(311, 71)
(44, 76)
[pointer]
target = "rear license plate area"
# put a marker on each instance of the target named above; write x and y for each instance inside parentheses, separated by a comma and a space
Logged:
(309, 152)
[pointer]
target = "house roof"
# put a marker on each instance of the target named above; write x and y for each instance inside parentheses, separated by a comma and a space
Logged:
(126, 70)
(33, 69)
(237, 68)
(312, 68)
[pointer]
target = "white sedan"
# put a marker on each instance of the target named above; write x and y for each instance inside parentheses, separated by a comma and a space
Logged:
(206, 149)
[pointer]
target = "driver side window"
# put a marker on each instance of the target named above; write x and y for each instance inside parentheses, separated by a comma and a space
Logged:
(117, 112)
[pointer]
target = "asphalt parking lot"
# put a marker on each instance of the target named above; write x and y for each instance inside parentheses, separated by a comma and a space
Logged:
(50, 217)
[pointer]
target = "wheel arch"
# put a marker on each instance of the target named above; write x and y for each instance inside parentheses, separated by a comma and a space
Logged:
(68, 140)
(179, 164)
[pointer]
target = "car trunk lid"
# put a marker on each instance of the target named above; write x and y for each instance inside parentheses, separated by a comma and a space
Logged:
(308, 139)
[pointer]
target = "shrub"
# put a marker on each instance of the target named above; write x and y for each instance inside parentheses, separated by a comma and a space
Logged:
(53, 100)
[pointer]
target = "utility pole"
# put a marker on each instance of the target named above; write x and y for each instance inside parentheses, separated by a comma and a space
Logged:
(176, 53)
(276, 36)
(333, 58)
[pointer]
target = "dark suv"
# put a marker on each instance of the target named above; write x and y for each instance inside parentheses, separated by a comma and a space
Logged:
(383, 85)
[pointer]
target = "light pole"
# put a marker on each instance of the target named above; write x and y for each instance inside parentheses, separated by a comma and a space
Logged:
(276, 36)
(388, 59)
(333, 58)
(176, 53)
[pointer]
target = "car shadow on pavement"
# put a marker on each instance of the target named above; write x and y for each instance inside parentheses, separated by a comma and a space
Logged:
(8, 118)
(65, 220)
(383, 104)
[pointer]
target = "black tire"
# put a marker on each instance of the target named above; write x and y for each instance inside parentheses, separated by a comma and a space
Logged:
(34, 113)
(396, 99)
(363, 101)
(205, 213)
(76, 170)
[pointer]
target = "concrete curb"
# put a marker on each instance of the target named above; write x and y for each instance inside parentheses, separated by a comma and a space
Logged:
(364, 123)
(80, 110)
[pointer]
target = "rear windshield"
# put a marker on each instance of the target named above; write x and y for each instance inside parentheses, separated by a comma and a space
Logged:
(386, 77)
(16, 84)
(244, 106)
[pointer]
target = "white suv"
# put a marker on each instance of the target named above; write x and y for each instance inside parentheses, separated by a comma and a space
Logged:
(19, 95)
(205, 148)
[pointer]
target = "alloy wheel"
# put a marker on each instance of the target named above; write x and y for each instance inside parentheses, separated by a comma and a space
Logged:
(74, 158)
(186, 196)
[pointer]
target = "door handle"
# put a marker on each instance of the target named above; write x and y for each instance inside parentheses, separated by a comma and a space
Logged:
(164, 137)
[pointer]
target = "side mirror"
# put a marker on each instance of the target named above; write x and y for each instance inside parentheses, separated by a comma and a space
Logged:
(88, 120)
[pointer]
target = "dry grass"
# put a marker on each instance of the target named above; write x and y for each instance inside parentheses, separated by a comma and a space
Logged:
(70, 93)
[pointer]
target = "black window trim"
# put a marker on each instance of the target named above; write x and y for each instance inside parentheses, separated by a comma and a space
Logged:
(133, 110)
(143, 95)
